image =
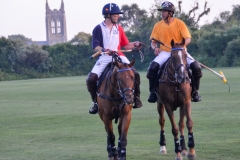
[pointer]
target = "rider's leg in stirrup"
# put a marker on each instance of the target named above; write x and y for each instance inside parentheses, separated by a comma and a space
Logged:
(197, 74)
(92, 88)
(152, 76)
(137, 101)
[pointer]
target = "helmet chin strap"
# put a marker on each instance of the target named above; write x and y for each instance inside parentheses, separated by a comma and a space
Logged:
(111, 19)
(169, 15)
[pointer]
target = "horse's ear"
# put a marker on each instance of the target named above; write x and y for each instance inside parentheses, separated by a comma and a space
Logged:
(183, 42)
(132, 63)
(172, 43)
(116, 61)
(118, 64)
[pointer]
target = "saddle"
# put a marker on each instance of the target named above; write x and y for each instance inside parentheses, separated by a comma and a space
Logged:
(109, 67)
(163, 68)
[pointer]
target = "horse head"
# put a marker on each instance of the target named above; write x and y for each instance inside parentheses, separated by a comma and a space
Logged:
(125, 80)
(179, 61)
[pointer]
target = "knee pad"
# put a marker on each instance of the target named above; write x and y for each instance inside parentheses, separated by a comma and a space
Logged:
(136, 74)
(153, 70)
(92, 78)
(196, 69)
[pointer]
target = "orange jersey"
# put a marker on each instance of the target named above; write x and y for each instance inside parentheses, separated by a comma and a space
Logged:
(164, 33)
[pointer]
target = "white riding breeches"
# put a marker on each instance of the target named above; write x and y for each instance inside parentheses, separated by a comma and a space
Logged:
(103, 61)
(163, 57)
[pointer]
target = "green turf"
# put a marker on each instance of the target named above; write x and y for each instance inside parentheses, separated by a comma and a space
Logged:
(48, 119)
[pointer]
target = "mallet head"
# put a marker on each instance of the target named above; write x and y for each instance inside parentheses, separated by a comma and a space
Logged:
(223, 77)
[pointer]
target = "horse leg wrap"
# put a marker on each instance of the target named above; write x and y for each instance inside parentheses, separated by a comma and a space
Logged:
(122, 148)
(182, 143)
(191, 143)
(112, 151)
(119, 147)
(162, 141)
(123, 153)
(177, 146)
(123, 143)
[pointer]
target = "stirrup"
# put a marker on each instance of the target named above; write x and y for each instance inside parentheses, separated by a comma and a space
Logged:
(152, 97)
(196, 97)
(137, 103)
(93, 109)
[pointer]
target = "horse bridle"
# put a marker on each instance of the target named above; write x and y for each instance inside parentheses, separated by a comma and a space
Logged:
(180, 65)
(120, 90)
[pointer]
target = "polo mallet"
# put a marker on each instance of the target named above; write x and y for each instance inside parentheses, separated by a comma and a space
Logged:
(100, 52)
(220, 74)
(153, 39)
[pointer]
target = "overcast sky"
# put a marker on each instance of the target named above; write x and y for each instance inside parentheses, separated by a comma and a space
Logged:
(27, 17)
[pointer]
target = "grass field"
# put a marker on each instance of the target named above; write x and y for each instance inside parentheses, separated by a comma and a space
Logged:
(47, 119)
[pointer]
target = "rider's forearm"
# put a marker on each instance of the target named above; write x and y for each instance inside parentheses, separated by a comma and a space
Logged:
(187, 41)
(98, 48)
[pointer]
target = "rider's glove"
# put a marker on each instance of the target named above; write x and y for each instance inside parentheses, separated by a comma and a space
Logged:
(108, 51)
(138, 45)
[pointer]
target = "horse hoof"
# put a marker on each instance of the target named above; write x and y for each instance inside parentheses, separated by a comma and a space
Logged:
(191, 156)
(184, 153)
(163, 150)
(179, 158)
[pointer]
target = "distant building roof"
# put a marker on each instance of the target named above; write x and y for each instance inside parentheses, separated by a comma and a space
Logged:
(40, 43)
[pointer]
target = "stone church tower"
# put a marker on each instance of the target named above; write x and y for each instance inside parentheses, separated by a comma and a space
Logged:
(56, 25)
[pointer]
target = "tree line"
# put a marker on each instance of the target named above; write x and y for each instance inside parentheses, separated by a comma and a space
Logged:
(214, 44)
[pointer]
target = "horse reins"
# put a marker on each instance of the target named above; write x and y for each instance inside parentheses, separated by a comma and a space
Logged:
(179, 66)
(121, 91)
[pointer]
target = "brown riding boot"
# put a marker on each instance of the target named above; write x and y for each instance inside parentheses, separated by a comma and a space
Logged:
(137, 101)
(92, 88)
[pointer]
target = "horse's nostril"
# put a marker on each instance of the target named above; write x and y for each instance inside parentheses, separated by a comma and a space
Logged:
(129, 98)
(181, 80)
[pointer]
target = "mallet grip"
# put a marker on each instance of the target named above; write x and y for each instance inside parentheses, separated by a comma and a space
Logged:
(95, 54)
(100, 52)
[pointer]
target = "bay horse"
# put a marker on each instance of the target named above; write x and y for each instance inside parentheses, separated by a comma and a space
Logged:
(115, 99)
(174, 91)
